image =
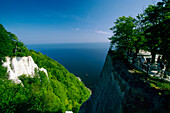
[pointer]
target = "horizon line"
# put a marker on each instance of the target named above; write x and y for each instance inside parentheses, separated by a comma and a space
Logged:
(65, 43)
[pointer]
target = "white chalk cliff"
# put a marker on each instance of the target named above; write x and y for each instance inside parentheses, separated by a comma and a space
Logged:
(18, 66)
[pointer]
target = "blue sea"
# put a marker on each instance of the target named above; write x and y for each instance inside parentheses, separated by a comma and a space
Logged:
(85, 60)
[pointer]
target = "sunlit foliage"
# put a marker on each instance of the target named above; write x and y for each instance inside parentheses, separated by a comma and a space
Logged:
(57, 92)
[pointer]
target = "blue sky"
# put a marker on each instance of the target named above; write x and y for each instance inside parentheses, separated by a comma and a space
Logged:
(66, 21)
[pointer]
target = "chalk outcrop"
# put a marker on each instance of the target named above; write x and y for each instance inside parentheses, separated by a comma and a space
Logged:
(18, 66)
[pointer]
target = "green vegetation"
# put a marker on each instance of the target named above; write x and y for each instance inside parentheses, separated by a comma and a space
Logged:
(154, 82)
(59, 92)
(10, 46)
(149, 31)
(140, 76)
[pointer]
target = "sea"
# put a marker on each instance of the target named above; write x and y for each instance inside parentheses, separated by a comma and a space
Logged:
(84, 60)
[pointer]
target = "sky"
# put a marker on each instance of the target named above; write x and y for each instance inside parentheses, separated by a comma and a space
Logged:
(66, 21)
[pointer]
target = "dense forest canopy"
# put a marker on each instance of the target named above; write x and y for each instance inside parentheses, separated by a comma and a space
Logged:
(59, 92)
(148, 31)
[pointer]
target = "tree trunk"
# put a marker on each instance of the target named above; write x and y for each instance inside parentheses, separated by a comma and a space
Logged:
(153, 53)
(130, 50)
(137, 51)
(167, 58)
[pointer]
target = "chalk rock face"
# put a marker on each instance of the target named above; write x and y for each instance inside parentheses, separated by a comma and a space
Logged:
(119, 91)
(18, 66)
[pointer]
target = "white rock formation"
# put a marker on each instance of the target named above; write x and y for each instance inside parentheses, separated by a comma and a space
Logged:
(68, 112)
(79, 78)
(18, 66)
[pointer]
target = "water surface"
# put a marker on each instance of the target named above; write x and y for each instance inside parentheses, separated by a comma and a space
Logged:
(85, 60)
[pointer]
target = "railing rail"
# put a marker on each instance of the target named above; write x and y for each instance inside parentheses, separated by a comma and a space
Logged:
(150, 69)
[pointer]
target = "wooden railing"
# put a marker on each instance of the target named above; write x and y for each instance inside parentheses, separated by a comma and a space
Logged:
(149, 68)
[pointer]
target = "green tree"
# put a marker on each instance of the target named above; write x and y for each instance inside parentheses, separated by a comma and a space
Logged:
(10, 45)
(124, 33)
(139, 38)
(151, 34)
(58, 92)
(157, 28)
(164, 30)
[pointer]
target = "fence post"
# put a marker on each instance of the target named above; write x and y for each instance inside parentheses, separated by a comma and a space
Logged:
(148, 67)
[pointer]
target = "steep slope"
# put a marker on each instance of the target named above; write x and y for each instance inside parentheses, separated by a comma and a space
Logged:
(119, 91)
(18, 66)
(60, 91)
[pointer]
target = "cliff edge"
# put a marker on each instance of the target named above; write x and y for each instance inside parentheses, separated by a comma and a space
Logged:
(18, 66)
(120, 91)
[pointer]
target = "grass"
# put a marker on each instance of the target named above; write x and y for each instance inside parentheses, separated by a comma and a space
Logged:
(154, 82)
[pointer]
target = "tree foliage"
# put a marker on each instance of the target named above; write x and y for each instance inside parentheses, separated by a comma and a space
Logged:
(58, 92)
(123, 33)
(149, 31)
